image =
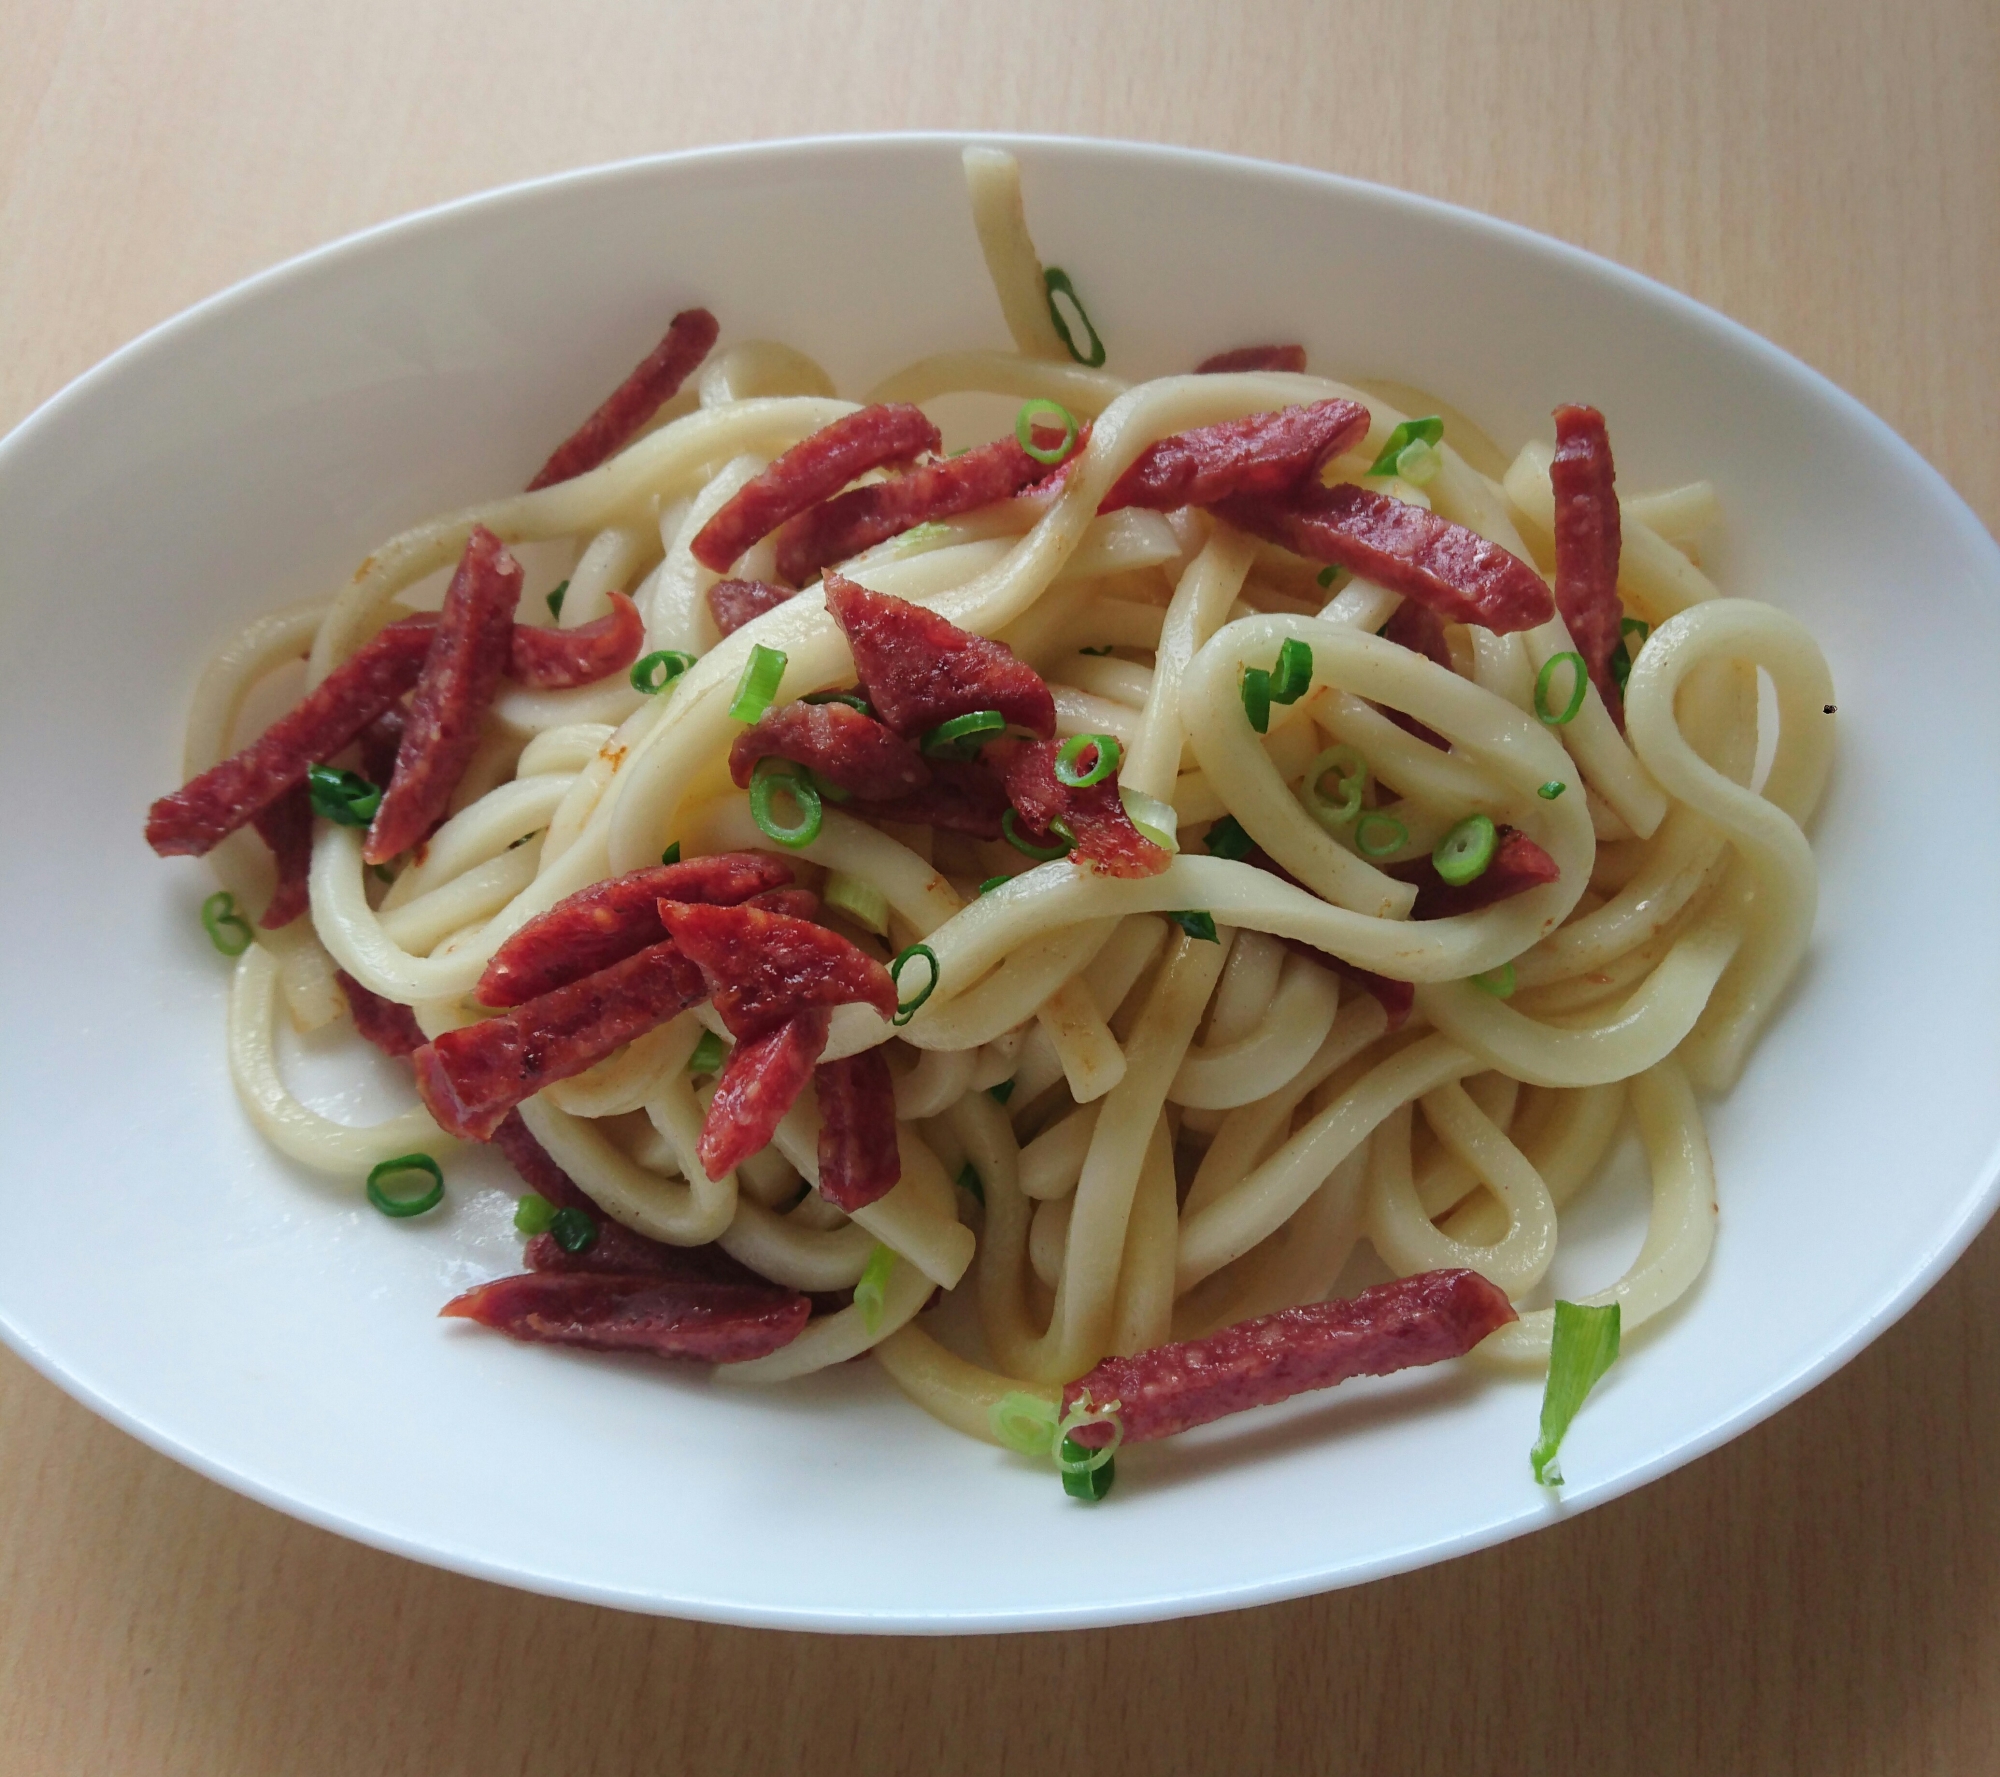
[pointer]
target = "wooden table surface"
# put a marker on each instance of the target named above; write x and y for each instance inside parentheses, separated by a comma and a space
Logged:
(1821, 1596)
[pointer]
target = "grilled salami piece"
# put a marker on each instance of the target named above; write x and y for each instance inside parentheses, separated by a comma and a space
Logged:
(558, 659)
(1588, 539)
(1263, 456)
(469, 651)
(1518, 864)
(603, 924)
(1291, 358)
(733, 603)
(1454, 571)
(762, 1078)
(858, 1161)
(664, 1316)
(471, 1078)
(918, 669)
(1105, 835)
(851, 751)
(286, 826)
(655, 382)
(1393, 1326)
(207, 809)
(763, 968)
(963, 796)
(809, 472)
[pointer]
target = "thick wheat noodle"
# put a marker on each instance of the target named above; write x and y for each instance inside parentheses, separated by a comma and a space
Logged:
(1297, 1019)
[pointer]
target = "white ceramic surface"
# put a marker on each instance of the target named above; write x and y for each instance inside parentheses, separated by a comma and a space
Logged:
(265, 1327)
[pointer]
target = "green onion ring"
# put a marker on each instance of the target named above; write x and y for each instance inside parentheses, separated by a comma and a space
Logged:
(653, 673)
(1025, 1423)
(1024, 430)
(1292, 678)
(533, 1214)
(1056, 279)
(1197, 922)
(1464, 853)
(994, 882)
(556, 599)
(907, 1009)
(772, 775)
(1581, 685)
(1108, 755)
(1430, 429)
(1350, 773)
(574, 1230)
(873, 1284)
(1552, 789)
(1498, 982)
(962, 736)
(342, 797)
(400, 1207)
(1399, 835)
(227, 929)
(1010, 830)
(707, 1056)
(853, 699)
(755, 690)
(672, 855)
(1227, 839)
(968, 1180)
(1257, 698)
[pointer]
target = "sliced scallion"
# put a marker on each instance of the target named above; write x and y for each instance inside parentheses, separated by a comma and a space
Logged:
(1579, 684)
(861, 901)
(1428, 430)
(672, 855)
(1623, 655)
(1227, 839)
(1552, 789)
(653, 673)
(1024, 430)
(1349, 771)
(1377, 835)
(534, 1214)
(771, 776)
(1197, 922)
(1105, 755)
(853, 699)
(342, 797)
(907, 1009)
(1257, 698)
(1418, 462)
(962, 736)
(763, 672)
(1010, 830)
(1583, 1347)
(1292, 678)
(1088, 1473)
(1097, 653)
(1463, 854)
(392, 1202)
(227, 929)
(870, 1291)
(1002, 1092)
(1055, 280)
(1498, 982)
(556, 599)
(1328, 575)
(1026, 1424)
(994, 882)
(708, 1054)
(574, 1230)
(1156, 820)
(968, 1180)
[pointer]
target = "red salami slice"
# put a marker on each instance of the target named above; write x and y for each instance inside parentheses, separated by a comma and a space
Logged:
(471, 1078)
(1588, 539)
(206, 810)
(1262, 457)
(762, 1078)
(963, 796)
(679, 1317)
(655, 382)
(810, 472)
(380, 742)
(858, 1161)
(1454, 571)
(616, 1248)
(286, 827)
(468, 653)
(1518, 865)
(918, 669)
(763, 968)
(842, 527)
(601, 925)
(733, 603)
(1393, 1326)
(1105, 835)
(558, 659)
(391, 1026)
(851, 751)
(1291, 358)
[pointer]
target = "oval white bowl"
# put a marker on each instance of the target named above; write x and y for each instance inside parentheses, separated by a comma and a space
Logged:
(271, 1331)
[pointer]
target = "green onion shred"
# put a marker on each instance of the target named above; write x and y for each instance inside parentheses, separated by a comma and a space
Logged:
(574, 1230)
(1377, 835)
(962, 736)
(1055, 280)
(342, 797)
(401, 1203)
(1349, 770)
(1583, 1347)
(556, 599)
(653, 673)
(1257, 698)
(1552, 789)
(1464, 853)
(763, 672)
(1427, 431)
(534, 1214)
(1227, 839)
(1197, 922)
(968, 1180)
(869, 1292)
(1579, 684)
(1105, 752)
(1002, 1092)
(907, 1009)
(771, 776)
(1024, 430)
(708, 1054)
(1498, 982)
(1010, 829)
(227, 929)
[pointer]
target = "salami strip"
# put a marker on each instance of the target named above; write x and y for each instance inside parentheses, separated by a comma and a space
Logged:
(468, 653)
(733, 603)
(286, 827)
(858, 1161)
(471, 1078)
(390, 1025)
(616, 1248)
(1105, 835)
(1393, 1326)
(1262, 457)
(763, 968)
(851, 751)
(918, 670)
(679, 1317)
(560, 659)
(206, 810)
(1518, 864)
(609, 921)
(811, 471)
(842, 527)
(1454, 571)
(380, 742)
(963, 796)
(1292, 358)
(655, 382)
(798, 903)
(1588, 538)
(762, 1078)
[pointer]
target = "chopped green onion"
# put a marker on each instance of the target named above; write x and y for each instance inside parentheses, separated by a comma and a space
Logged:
(968, 1180)
(1430, 430)
(653, 673)
(1024, 430)
(1056, 279)
(762, 673)
(771, 776)
(962, 736)
(907, 1009)
(227, 929)
(868, 1293)
(391, 1204)
(1087, 1474)
(1418, 462)
(1579, 685)
(1498, 982)
(672, 855)
(534, 1214)
(1257, 698)
(556, 599)
(1552, 789)
(994, 882)
(1293, 676)
(1463, 854)
(708, 1054)
(1227, 839)
(1002, 1092)
(853, 699)
(382, 872)
(1621, 656)
(861, 901)
(1350, 776)
(1010, 830)
(1328, 574)
(828, 790)
(1197, 922)
(920, 537)
(1389, 835)
(1097, 653)
(342, 797)
(1583, 1347)
(1106, 755)
(1156, 820)
(1026, 1424)
(574, 1230)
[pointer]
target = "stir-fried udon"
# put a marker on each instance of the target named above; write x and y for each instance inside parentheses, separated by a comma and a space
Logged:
(1042, 913)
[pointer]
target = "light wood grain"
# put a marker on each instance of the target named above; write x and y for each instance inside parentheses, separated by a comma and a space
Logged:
(1822, 1596)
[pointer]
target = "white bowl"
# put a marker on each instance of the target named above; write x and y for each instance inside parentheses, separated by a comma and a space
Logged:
(271, 1331)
